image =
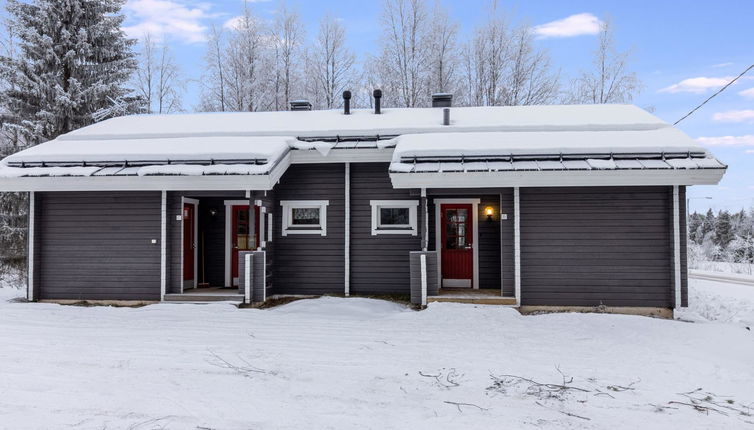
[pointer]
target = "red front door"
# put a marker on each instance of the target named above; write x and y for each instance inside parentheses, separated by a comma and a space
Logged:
(457, 250)
(241, 238)
(189, 242)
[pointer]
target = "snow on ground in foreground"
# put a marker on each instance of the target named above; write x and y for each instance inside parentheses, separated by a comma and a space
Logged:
(356, 363)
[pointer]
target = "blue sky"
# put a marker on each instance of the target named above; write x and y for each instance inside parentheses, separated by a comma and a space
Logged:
(682, 52)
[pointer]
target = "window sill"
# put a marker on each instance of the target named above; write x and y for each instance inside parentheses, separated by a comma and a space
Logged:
(407, 231)
(318, 231)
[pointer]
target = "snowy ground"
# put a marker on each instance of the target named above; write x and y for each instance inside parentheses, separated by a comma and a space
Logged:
(722, 266)
(359, 363)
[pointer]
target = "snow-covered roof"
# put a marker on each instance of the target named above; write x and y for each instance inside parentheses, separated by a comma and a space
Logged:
(361, 122)
(530, 138)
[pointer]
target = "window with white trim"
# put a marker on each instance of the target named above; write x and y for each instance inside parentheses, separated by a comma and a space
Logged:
(394, 217)
(304, 216)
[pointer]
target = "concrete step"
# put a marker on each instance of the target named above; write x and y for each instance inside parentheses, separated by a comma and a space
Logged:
(204, 297)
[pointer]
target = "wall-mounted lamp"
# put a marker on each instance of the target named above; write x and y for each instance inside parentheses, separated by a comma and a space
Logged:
(212, 212)
(489, 211)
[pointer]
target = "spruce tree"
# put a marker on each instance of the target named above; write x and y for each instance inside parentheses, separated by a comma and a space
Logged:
(723, 229)
(69, 65)
(73, 62)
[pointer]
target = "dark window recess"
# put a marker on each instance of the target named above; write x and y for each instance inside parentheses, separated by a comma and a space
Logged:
(305, 216)
(394, 216)
(455, 224)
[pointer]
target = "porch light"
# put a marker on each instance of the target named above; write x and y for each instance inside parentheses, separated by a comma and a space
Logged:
(489, 211)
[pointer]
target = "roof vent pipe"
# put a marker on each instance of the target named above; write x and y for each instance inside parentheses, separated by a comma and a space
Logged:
(300, 105)
(442, 100)
(377, 96)
(446, 116)
(346, 102)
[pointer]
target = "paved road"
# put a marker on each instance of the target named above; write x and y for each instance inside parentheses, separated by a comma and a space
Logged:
(731, 278)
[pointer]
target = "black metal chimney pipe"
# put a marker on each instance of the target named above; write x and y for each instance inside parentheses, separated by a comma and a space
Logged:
(346, 102)
(377, 96)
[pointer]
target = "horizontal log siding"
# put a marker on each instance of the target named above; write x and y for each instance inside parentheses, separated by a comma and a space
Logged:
(596, 245)
(304, 263)
(379, 264)
(97, 245)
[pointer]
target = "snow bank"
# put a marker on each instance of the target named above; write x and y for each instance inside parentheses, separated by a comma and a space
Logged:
(358, 363)
(719, 302)
(342, 308)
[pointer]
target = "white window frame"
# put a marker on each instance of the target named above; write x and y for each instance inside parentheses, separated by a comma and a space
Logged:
(410, 228)
(287, 219)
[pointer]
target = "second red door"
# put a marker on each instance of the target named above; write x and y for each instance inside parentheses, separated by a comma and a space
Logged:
(457, 251)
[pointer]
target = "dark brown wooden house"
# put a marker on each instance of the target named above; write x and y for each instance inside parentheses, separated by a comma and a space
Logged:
(549, 206)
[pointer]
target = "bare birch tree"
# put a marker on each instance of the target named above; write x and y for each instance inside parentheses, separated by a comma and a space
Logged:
(403, 62)
(247, 65)
(330, 65)
(529, 78)
(287, 38)
(213, 81)
(158, 80)
(610, 81)
(442, 46)
(485, 59)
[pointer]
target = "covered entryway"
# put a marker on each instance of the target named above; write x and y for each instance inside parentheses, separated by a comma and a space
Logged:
(456, 236)
(205, 233)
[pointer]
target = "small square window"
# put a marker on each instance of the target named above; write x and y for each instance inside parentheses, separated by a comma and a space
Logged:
(304, 217)
(394, 217)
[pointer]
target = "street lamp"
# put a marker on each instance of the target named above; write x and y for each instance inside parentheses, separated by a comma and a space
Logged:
(688, 201)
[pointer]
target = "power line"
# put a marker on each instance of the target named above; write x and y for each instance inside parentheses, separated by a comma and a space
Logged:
(713, 95)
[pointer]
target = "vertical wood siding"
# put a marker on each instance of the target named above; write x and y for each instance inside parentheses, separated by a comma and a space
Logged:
(268, 201)
(97, 245)
(379, 264)
(596, 245)
(304, 263)
(684, 246)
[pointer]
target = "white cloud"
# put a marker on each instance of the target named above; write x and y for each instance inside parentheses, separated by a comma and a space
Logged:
(179, 19)
(750, 151)
(749, 94)
(745, 140)
(574, 25)
(746, 115)
(697, 85)
(721, 65)
(233, 23)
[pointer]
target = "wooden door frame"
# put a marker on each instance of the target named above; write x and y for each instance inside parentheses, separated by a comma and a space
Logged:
(188, 201)
(228, 235)
(475, 235)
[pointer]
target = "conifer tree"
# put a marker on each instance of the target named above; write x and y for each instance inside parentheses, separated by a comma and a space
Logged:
(73, 63)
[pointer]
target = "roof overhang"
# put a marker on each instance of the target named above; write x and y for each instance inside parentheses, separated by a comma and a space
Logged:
(557, 178)
(260, 182)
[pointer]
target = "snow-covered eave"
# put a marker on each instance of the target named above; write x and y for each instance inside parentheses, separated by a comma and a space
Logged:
(260, 182)
(557, 178)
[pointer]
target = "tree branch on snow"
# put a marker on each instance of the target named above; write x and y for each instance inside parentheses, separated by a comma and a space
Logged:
(444, 380)
(247, 369)
(538, 389)
(564, 412)
(458, 406)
